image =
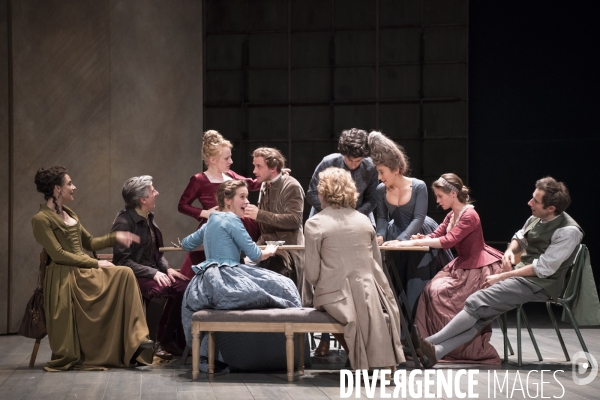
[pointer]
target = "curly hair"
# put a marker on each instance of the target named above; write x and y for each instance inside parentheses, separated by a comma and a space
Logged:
(227, 190)
(337, 188)
(353, 143)
(462, 191)
(384, 151)
(273, 157)
(555, 194)
(212, 145)
(47, 178)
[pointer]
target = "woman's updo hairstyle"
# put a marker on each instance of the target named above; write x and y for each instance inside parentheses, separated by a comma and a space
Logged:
(227, 190)
(337, 188)
(47, 178)
(452, 183)
(212, 145)
(384, 151)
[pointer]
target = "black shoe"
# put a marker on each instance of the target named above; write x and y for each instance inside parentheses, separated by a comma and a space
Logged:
(146, 344)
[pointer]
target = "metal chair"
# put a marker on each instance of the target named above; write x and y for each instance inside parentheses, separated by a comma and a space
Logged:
(570, 291)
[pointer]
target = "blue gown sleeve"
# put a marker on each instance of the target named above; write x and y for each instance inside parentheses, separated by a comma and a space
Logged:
(194, 240)
(241, 238)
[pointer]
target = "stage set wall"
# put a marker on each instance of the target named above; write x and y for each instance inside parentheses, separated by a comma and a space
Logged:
(109, 89)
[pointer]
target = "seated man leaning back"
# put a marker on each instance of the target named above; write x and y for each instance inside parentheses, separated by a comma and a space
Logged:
(155, 276)
(547, 245)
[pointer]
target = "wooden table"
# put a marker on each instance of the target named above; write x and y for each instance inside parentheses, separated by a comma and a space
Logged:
(301, 247)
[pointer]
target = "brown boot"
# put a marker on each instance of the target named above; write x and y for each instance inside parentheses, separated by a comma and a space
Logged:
(162, 353)
(426, 349)
(323, 348)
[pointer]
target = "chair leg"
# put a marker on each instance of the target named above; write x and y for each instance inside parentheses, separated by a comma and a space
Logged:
(302, 349)
(289, 353)
(576, 327)
(195, 353)
(313, 344)
(505, 334)
(411, 346)
(185, 355)
(560, 338)
(36, 347)
(500, 321)
(519, 352)
(535, 346)
(211, 352)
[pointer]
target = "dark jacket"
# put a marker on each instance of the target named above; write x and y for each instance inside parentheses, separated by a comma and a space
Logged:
(143, 258)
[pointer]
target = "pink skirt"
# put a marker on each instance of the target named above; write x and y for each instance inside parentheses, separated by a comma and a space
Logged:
(443, 298)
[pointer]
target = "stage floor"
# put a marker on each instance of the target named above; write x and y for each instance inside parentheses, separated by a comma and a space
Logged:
(166, 381)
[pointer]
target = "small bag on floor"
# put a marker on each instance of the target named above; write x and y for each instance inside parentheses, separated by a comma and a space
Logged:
(34, 321)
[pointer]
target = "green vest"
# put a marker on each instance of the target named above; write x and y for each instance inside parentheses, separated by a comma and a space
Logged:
(538, 239)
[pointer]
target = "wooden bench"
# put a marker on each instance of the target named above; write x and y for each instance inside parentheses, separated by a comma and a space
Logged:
(289, 321)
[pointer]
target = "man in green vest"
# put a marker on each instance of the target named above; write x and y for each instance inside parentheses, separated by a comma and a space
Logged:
(547, 247)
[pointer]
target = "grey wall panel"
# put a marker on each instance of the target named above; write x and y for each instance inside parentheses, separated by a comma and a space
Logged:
(224, 16)
(267, 86)
(61, 116)
(445, 119)
(445, 80)
(399, 45)
(354, 83)
(268, 123)
(355, 47)
(305, 166)
(311, 49)
(399, 120)
(354, 116)
(266, 15)
(156, 103)
(311, 14)
(449, 43)
(311, 85)
(224, 86)
(268, 50)
(445, 11)
(224, 51)
(441, 156)
(399, 12)
(4, 168)
(228, 121)
(355, 14)
(311, 122)
(398, 82)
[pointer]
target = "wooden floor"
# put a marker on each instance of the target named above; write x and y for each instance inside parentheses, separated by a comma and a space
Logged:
(18, 381)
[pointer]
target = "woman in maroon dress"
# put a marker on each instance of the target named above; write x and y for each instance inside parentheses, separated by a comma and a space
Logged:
(216, 153)
(445, 295)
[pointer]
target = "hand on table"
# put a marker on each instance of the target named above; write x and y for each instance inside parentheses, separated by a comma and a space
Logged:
(269, 251)
(417, 236)
(398, 243)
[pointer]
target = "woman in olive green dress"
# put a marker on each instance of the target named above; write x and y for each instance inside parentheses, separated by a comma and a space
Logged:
(94, 314)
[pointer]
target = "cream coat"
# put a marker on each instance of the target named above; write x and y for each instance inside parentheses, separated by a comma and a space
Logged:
(343, 262)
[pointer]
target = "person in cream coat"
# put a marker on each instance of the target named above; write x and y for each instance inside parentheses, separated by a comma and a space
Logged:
(343, 263)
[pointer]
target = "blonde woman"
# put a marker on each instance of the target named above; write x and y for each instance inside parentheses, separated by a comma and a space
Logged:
(447, 292)
(343, 263)
(216, 154)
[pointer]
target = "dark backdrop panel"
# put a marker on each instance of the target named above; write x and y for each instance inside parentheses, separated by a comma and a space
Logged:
(533, 110)
(4, 168)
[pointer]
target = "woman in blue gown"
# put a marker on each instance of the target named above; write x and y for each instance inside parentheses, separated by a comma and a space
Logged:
(223, 282)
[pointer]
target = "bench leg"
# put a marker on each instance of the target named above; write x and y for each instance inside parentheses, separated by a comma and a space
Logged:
(195, 353)
(211, 352)
(301, 345)
(36, 347)
(289, 352)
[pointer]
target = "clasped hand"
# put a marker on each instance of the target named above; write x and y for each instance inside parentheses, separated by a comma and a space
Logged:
(169, 278)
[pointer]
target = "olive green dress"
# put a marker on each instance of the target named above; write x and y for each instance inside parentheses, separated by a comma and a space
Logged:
(94, 316)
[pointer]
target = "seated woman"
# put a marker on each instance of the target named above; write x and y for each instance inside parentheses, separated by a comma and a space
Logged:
(94, 316)
(223, 283)
(344, 264)
(402, 212)
(446, 293)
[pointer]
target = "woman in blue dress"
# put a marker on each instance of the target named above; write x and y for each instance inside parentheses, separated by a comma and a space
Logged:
(223, 282)
(401, 213)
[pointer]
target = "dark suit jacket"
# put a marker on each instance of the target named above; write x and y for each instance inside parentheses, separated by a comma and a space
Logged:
(140, 256)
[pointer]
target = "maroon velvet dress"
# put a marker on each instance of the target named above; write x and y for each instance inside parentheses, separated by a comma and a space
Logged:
(201, 188)
(445, 295)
